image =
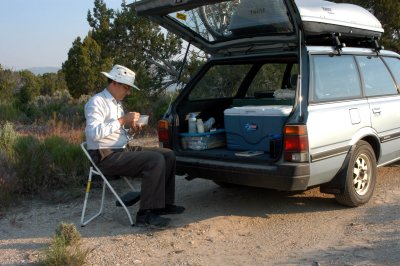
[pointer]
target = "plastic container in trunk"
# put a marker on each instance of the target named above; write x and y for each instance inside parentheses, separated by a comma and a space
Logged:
(203, 141)
(255, 127)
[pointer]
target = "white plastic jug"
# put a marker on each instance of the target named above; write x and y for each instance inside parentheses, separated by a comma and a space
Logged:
(200, 126)
(192, 123)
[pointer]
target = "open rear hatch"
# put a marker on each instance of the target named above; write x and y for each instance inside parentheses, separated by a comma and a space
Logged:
(220, 27)
(247, 26)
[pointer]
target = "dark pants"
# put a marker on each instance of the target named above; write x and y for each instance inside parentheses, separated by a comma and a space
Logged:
(156, 167)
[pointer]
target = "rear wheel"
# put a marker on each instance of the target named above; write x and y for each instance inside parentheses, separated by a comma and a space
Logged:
(361, 177)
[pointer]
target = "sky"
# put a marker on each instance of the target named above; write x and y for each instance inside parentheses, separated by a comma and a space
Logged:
(39, 33)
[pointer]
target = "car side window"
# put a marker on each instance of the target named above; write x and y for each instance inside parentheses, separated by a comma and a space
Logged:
(376, 77)
(394, 65)
(335, 78)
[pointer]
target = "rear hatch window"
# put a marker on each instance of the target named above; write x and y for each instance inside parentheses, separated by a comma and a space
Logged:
(225, 26)
(234, 19)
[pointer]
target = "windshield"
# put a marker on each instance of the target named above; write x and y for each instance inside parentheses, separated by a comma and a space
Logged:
(236, 18)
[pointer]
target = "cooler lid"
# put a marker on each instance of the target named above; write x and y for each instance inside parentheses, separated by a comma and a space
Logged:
(263, 110)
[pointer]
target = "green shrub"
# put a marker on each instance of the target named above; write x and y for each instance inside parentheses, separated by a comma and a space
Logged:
(31, 164)
(8, 137)
(60, 106)
(65, 248)
(51, 164)
(9, 112)
(68, 233)
(72, 114)
(7, 182)
(68, 160)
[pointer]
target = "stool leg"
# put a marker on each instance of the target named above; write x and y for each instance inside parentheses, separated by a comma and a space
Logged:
(83, 222)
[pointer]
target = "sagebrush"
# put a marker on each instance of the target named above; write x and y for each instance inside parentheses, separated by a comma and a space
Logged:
(31, 164)
(65, 248)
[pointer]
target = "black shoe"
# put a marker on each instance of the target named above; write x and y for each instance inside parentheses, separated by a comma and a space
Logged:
(129, 199)
(170, 209)
(150, 218)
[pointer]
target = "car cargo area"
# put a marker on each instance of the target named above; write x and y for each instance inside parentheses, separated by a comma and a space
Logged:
(237, 115)
(238, 136)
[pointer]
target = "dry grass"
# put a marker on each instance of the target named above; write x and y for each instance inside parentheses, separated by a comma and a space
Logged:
(75, 134)
(71, 134)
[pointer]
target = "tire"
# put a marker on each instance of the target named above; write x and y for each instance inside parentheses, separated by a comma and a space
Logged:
(216, 19)
(361, 177)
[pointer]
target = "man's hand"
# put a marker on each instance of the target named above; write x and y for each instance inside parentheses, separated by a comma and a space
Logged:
(130, 118)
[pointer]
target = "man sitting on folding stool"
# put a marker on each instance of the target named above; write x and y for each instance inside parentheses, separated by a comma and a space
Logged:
(108, 145)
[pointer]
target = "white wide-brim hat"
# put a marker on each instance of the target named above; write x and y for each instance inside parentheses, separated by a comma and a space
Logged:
(122, 75)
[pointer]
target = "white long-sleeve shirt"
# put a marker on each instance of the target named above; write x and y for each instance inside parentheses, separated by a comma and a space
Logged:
(103, 129)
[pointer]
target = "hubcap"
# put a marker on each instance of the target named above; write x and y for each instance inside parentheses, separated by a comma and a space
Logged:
(361, 174)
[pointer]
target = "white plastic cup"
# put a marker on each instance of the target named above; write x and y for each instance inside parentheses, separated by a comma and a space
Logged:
(143, 120)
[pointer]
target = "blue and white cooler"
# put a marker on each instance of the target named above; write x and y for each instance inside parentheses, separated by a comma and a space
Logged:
(254, 127)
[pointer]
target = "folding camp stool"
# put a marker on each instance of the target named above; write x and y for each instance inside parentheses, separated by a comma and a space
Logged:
(95, 170)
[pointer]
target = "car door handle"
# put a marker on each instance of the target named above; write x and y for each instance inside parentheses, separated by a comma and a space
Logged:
(376, 110)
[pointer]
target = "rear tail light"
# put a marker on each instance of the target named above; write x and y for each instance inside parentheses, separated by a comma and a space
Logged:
(163, 133)
(296, 143)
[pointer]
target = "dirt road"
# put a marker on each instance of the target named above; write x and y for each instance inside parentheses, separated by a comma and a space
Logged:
(235, 226)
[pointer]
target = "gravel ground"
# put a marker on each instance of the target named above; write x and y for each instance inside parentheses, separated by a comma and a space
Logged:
(235, 226)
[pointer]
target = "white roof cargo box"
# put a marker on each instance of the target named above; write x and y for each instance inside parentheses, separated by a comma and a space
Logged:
(320, 17)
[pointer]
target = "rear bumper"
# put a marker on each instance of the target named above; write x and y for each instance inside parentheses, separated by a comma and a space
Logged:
(285, 176)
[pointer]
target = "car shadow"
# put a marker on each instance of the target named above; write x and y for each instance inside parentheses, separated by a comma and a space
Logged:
(211, 200)
(203, 199)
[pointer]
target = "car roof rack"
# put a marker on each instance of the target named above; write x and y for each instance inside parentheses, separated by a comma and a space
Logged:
(337, 43)
(340, 41)
(376, 45)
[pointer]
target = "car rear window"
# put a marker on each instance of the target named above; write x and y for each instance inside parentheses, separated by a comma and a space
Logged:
(394, 65)
(376, 77)
(335, 78)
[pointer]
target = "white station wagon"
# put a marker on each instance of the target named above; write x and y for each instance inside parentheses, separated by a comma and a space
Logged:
(295, 94)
